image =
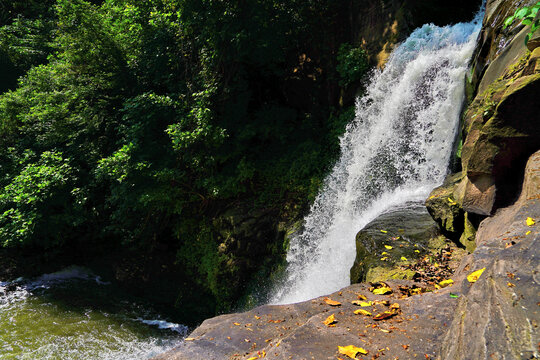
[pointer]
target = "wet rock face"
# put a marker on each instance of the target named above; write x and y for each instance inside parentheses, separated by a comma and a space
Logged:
(410, 233)
(500, 127)
(502, 132)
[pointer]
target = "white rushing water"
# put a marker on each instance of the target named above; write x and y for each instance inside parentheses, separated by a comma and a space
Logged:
(397, 149)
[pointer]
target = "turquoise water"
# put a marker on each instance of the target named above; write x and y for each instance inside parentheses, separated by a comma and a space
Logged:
(72, 314)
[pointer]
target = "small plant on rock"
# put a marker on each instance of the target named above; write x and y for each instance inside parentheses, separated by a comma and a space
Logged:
(527, 15)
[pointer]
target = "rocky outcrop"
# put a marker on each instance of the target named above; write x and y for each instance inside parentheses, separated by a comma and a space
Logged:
(501, 124)
(499, 129)
(495, 317)
(297, 331)
(386, 247)
(498, 317)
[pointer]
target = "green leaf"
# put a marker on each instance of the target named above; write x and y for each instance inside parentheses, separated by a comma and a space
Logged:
(452, 295)
(527, 38)
(535, 26)
(526, 21)
(508, 22)
(522, 13)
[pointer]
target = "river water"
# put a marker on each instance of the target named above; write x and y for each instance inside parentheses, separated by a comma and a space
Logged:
(73, 314)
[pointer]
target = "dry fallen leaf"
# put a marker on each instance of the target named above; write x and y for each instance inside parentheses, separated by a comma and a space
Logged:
(330, 321)
(384, 315)
(253, 358)
(394, 306)
(530, 221)
(361, 297)
(256, 317)
(446, 283)
(362, 312)
(472, 277)
(510, 284)
(237, 324)
(351, 351)
(361, 303)
(382, 291)
(331, 302)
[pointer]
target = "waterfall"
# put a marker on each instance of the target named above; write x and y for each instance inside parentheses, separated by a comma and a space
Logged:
(396, 150)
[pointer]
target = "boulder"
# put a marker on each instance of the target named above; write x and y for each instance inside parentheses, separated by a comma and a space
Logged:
(502, 132)
(409, 231)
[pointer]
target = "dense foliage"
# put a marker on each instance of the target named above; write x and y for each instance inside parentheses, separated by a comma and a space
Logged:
(135, 122)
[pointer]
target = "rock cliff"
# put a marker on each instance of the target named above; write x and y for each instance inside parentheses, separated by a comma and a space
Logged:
(490, 207)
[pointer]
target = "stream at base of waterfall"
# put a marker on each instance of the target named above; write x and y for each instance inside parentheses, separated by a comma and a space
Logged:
(73, 314)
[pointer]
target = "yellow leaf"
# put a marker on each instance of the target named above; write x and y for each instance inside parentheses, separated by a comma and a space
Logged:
(253, 358)
(445, 283)
(331, 302)
(530, 221)
(394, 306)
(384, 258)
(388, 247)
(472, 277)
(237, 324)
(382, 291)
(403, 258)
(528, 232)
(351, 351)
(361, 297)
(362, 303)
(385, 315)
(384, 231)
(330, 321)
(362, 312)
(384, 253)
(417, 251)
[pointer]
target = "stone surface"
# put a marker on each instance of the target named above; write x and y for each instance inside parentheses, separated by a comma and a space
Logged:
(410, 231)
(442, 205)
(501, 127)
(297, 331)
(496, 317)
(445, 206)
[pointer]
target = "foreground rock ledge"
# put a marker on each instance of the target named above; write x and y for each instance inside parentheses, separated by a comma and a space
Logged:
(495, 318)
